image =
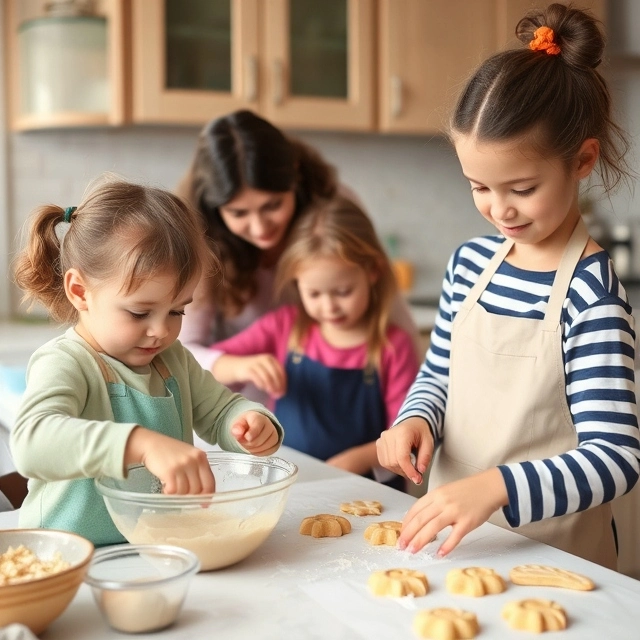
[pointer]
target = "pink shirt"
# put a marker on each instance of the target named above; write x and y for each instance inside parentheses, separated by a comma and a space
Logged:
(270, 334)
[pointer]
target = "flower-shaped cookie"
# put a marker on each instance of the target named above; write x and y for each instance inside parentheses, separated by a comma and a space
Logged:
(397, 583)
(325, 525)
(362, 508)
(386, 532)
(474, 581)
(535, 615)
(446, 624)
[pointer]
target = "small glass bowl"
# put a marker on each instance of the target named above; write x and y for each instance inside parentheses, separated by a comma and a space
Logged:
(141, 588)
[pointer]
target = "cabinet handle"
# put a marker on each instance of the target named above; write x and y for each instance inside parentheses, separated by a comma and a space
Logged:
(396, 96)
(251, 77)
(278, 82)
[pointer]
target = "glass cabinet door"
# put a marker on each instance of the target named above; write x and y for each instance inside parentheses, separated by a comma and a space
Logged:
(66, 67)
(319, 63)
(193, 60)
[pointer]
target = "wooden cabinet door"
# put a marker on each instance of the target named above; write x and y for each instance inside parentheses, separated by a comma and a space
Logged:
(427, 50)
(317, 64)
(193, 61)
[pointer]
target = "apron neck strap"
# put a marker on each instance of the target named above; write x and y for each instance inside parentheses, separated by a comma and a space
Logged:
(109, 374)
(570, 258)
(487, 273)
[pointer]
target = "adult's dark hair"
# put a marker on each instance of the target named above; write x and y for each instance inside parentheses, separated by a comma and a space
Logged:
(555, 101)
(242, 150)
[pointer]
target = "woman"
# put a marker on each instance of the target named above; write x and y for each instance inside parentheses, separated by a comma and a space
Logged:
(250, 182)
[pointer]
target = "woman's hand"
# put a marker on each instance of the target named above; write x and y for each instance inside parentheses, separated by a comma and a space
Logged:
(262, 370)
(256, 433)
(464, 504)
(396, 444)
(181, 467)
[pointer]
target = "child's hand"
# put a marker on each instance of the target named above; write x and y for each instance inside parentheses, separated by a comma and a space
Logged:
(396, 444)
(263, 370)
(256, 433)
(464, 504)
(181, 467)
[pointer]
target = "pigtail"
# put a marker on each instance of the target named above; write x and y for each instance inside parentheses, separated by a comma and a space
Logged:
(37, 268)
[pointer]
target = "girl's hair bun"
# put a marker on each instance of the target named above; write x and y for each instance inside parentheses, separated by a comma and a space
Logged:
(576, 32)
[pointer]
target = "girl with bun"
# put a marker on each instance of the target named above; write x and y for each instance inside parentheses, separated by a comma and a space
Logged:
(526, 399)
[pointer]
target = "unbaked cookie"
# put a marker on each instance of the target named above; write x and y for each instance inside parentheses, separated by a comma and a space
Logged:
(535, 615)
(325, 525)
(362, 508)
(540, 575)
(398, 583)
(446, 624)
(386, 532)
(474, 581)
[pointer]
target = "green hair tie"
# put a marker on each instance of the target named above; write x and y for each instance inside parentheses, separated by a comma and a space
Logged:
(68, 212)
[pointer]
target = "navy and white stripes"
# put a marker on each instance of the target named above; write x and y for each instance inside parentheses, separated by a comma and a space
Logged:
(598, 351)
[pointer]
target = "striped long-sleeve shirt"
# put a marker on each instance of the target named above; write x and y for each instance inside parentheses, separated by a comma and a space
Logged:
(598, 351)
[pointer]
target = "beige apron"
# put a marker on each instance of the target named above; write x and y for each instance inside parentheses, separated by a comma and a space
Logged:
(506, 403)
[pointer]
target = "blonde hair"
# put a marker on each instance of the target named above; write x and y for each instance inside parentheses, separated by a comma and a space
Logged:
(339, 228)
(118, 230)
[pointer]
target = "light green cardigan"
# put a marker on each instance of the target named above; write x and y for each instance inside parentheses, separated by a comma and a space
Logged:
(65, 428)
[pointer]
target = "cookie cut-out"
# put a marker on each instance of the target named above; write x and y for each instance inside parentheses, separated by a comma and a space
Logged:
(397, 583)
(362, 508)
(535, 615)
(540, 575)
(474, 581)
(446, 624)
(325, 525)
(386, 533)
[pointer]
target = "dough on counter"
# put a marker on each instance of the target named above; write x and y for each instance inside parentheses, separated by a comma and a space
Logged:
(540, 575)
(397, 583)
(386, 532)
(325, 525)
(362, 508)
(446, 624)
(535, 615)
(474, 581)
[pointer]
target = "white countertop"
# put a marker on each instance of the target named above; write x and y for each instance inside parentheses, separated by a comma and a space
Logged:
(303, 588)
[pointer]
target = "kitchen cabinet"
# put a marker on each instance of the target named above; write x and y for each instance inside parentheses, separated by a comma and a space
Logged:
(300, 64)
(394, 66)
(66, 68)
(428, 49)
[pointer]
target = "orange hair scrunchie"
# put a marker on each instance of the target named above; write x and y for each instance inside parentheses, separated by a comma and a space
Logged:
(543, 41)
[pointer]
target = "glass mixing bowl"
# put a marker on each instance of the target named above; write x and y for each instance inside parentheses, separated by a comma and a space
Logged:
(220, 528)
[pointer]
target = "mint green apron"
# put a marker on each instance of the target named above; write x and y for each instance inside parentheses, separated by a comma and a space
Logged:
(83, 510)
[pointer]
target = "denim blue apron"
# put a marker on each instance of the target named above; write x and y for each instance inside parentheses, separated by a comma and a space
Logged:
(327, 410)
(83, 510)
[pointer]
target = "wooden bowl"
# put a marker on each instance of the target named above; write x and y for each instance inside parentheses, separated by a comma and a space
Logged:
(37, 602)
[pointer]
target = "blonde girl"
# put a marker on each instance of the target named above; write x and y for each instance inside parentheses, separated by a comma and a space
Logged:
(527, 392)
(339, 370)
(117, 388)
